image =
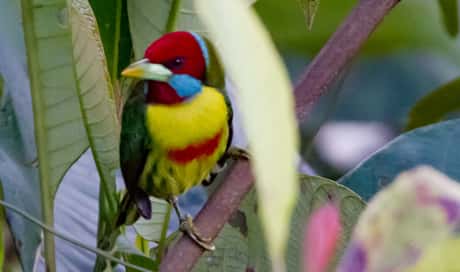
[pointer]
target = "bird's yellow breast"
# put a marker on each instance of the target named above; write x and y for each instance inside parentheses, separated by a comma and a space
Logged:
(198, 127)
(177, 126)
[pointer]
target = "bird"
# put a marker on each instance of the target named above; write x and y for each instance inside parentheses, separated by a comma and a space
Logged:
(176, 127)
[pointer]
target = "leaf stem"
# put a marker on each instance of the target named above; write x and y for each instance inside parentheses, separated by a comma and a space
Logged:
(36, 92)
(116, 46)
(172, 17)
(164, 232)
(63, 236)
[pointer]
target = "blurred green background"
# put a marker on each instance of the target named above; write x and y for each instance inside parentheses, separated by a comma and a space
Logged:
(410, 55)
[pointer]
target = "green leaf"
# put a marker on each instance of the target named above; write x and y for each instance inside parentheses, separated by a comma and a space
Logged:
(152, 229)
(60, 135)
(241, 245)
(431, 145)
(316, 192)
(124, 248)
(113, 25)
(231, 253)
(96, 98)
(253, 69)
(435, 106)
(417, 211)
(97, 104)
(449, 10)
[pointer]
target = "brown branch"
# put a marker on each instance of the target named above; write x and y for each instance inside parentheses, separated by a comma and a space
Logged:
(341, 48)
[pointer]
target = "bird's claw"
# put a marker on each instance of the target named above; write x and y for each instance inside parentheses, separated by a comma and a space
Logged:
(238, 154)
(187, 227)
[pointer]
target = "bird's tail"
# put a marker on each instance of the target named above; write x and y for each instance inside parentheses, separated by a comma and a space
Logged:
(131, 207)
(128, 213)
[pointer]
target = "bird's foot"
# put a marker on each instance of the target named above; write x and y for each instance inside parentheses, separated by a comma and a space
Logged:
(237, 153)
(187, 227)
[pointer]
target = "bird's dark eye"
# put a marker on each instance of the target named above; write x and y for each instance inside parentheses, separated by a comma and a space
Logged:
(175, 63)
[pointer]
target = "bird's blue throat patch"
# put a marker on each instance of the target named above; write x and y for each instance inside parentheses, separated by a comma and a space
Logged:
(185, 85)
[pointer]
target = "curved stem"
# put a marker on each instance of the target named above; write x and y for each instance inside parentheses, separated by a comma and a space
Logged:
(322, 72)
(63, 236)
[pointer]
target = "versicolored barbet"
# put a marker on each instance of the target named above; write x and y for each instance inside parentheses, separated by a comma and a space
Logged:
(176, 128)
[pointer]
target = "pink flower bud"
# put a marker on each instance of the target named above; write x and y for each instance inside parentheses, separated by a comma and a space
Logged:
(321, 237)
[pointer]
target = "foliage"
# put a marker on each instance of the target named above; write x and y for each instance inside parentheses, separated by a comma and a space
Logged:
(431, 145)
(241, 245)
(435, 106)
(72, 96)
(449, 9)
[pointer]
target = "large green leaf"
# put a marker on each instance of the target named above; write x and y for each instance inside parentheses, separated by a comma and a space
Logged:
(257, 70)
(19, 177)
(316, 192)
(432, 145)
(449, 9)
(96, 98)
(60, 135)
(241, 245)
(231, 254)
(436, 105)
(416, 214)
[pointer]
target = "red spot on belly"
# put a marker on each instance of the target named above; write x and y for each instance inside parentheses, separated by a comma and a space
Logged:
(197, 150)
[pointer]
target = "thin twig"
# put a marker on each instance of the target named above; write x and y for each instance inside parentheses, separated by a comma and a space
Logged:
(341, 48)
(71, 240)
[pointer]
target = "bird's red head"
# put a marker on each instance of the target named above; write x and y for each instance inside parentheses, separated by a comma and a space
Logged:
(180, 52)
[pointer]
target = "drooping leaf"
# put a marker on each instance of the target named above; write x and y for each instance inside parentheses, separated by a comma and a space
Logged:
(95, 93)
(449, 10)
(436, 105)
(418, 211)
(59, 130)
(61, 137)
(152, 229)
(257, 70)
(431, 145)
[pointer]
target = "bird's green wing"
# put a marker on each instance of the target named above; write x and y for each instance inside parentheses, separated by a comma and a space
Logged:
(134, 147)
(215, 77)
